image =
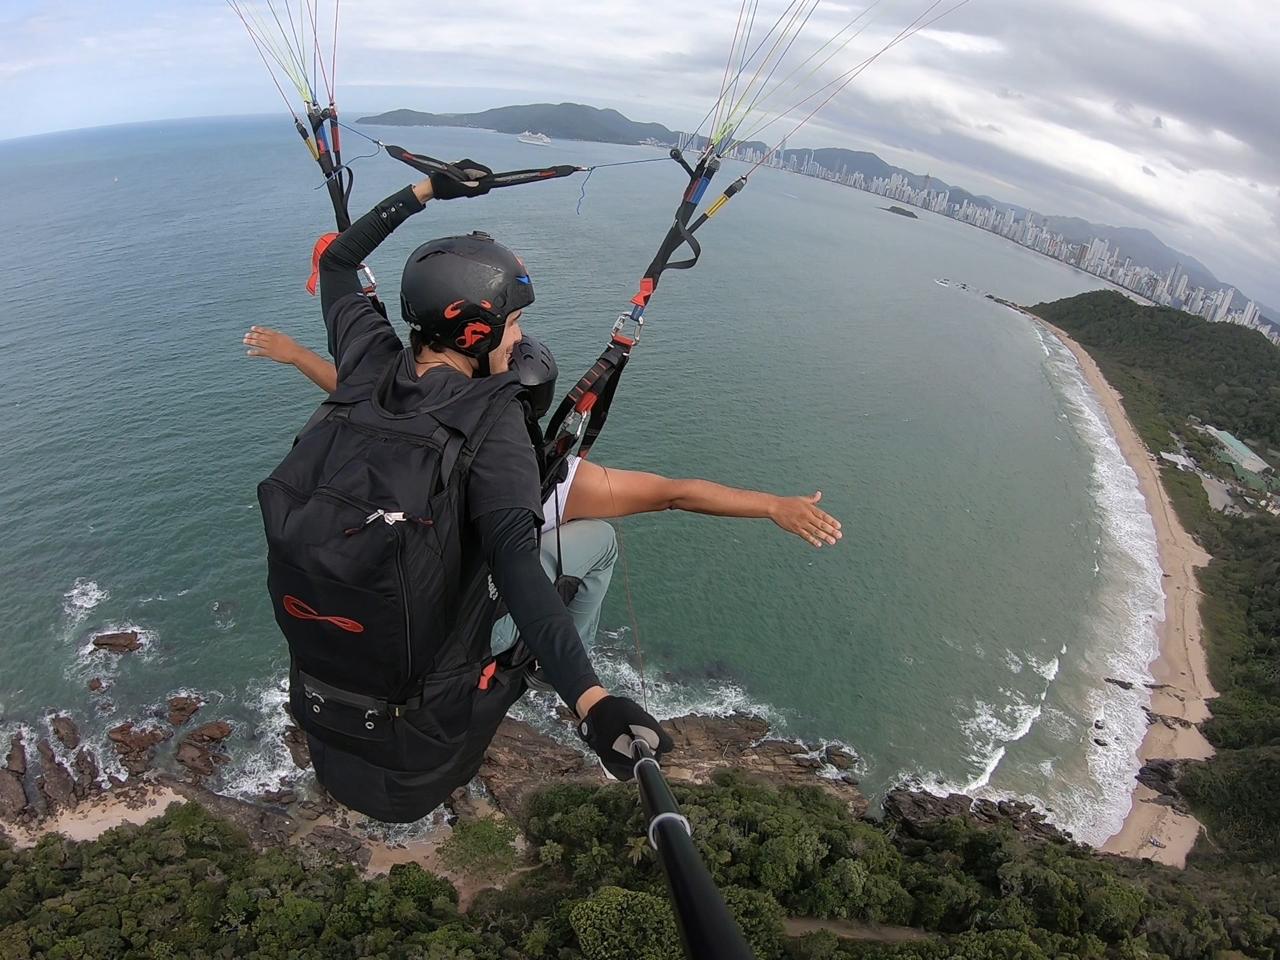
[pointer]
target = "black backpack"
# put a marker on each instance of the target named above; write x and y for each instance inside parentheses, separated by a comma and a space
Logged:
(389, 648)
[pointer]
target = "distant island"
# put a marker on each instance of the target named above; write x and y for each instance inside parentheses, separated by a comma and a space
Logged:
(576, 121)
(900, 211)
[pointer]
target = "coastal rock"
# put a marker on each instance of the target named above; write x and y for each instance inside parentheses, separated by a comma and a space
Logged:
(13, 798)
(1122, 684)
(913, 811)
(296, 741)
(136, 747)
(520, 760)
(839, 757)
(123, 641)
(64, 728)
(54, 783)
(96, 684)
(267, 827)
(1162, 777)
(86, 780)
(17, 760)
(209, 733)
(1173, 723)
(199, 750)
(199, 759)
(1099, 742)
(280, 798)
(182, 708)
(326, 843)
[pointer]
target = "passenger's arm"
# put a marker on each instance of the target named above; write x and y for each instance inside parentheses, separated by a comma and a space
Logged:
(282, 348)
(510, 543)
(599, 492)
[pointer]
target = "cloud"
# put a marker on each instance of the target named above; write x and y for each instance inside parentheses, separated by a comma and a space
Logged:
(1148, 171)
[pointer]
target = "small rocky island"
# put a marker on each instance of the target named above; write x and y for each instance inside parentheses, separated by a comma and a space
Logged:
(900, 211)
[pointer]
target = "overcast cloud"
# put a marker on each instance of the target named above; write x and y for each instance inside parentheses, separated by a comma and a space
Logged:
(1160, 114)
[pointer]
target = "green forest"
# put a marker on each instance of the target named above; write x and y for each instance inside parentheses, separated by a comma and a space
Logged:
(188, 885)
(806, 879)
(1170, 366)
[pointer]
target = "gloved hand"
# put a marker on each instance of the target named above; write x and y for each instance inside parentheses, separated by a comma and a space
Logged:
(447, 186)
(610, 727)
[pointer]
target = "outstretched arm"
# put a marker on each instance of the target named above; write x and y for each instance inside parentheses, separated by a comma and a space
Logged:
(282, 348)
(601, 493)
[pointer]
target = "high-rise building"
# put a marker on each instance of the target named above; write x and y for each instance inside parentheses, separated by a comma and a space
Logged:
(1225, 297)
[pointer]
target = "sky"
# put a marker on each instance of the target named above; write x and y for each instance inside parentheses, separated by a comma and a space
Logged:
(1159, 114)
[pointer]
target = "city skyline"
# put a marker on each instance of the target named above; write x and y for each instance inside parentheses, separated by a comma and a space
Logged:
(1098, 257)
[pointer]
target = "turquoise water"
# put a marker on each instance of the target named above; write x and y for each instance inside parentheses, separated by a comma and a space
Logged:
(995, 565)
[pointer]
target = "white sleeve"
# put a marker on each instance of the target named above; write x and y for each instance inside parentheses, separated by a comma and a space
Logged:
(559, 498)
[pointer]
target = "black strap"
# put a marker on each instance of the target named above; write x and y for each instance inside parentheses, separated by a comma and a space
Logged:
(512, 178)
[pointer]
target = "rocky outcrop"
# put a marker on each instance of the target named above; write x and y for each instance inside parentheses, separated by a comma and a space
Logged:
(96, 685)
(54, 782)
(182, 709)
(1162, 777)
(199, 751)
(136, 746)
(913, 811)
(64, 728)
(296, 741)
(1172, 722)
(86, 774)
(13, 797)
(17, 759)
(520, 760)
(1122, 684)
(123, 641)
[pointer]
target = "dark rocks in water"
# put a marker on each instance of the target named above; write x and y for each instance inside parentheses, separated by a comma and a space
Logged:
(182, 709)
(17, 760)
(124, 641)
(839, 757)
(197, 750)
(280, 798)
(96, 684)
(64, 728)
(1122, 684)
(87, 773)
(913, 811)
(54, 783)
(214, 732)
(1097, 725)
(296, 741)
(1098, 741)
(136, 746)
(13, 797)
(199, 759)
(900, 211)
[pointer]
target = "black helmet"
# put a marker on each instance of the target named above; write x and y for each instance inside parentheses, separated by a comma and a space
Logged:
(532, 362)
(457, 292)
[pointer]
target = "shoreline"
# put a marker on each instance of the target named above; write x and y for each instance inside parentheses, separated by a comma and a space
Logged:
(1152, 829)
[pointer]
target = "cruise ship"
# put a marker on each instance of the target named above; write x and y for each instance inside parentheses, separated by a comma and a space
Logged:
(539, 138)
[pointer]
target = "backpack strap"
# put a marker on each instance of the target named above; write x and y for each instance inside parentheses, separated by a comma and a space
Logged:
(459, 452)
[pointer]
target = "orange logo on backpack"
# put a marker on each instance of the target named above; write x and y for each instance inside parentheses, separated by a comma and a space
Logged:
(302, 611)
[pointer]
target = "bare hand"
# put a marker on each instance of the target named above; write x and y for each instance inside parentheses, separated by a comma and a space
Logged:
(272, 344)
(801, 516)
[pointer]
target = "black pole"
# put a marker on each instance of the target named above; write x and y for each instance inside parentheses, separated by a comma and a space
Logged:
(707, 928)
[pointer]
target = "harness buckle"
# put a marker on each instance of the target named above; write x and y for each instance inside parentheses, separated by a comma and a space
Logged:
(636, 319)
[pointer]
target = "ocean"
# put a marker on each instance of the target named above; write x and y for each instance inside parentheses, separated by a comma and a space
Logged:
(997, 565)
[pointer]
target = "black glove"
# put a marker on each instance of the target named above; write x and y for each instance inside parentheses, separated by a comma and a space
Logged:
(610, 727)
(451, 185)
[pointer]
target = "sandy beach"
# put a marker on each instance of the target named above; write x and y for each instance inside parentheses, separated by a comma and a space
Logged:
(1152, 830)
